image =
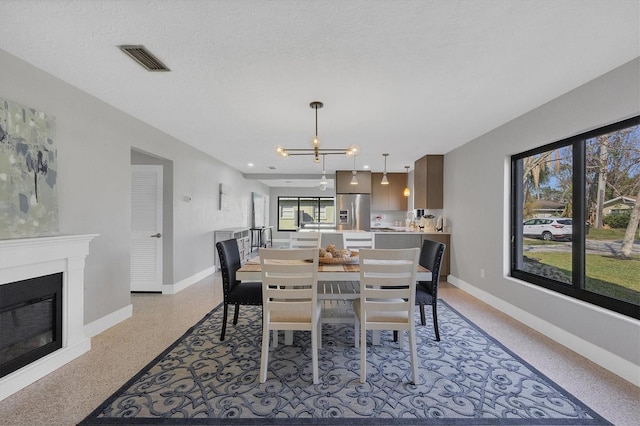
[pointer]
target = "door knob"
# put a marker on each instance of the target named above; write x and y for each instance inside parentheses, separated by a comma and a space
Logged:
(158, 235)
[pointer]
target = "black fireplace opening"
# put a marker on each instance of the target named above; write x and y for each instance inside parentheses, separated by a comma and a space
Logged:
(30, 321)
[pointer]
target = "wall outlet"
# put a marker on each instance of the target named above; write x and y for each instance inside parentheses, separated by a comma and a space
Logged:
(481, 273)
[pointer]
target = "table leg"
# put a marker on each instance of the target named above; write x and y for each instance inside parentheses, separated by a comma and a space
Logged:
(375, 340)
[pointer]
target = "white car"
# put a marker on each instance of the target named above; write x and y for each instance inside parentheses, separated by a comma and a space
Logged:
(549, 228)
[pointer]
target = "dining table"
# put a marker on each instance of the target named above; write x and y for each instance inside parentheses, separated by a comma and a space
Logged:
(338, 286)
(250, 271)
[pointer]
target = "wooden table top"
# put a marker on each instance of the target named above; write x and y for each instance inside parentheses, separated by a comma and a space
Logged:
(339, 267)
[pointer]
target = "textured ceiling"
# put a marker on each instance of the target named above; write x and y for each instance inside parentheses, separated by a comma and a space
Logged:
(402, 77)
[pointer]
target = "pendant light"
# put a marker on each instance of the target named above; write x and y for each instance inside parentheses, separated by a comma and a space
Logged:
(354, 178)
(407, 191)
(323, 179)
(385, 181)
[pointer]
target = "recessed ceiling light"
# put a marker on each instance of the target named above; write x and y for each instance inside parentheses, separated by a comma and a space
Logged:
(366, 166)
(250, 164)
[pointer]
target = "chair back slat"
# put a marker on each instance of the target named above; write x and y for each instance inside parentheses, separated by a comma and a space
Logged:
(396, 304)
(357, 240)
(304, 239)
(386, 293)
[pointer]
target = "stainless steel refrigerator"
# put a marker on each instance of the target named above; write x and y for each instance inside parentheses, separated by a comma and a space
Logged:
(354, 212)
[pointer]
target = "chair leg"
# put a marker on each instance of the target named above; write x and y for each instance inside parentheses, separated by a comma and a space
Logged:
(363, 354)
(423, 321)
(435, 322)
(225, 310)
(288, 337)
(264, 359)
(314, 353)
(356, 332)
(375, 338)
(414, 354)
(235, 314)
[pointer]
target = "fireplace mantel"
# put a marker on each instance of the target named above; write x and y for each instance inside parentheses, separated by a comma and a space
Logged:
(21, 259)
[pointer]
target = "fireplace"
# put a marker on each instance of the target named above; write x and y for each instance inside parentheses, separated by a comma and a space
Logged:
(30, 321)
(25, 301)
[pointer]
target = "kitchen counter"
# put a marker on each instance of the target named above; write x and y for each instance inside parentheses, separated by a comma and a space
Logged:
(394, 237)
(402, 229)
(382, 229)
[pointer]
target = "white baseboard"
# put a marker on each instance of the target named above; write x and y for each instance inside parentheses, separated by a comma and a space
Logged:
(98, 326)
(181, 285)
(120, 315)
(610, 361)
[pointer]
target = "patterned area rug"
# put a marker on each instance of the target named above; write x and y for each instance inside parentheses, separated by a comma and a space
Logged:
(467, 378)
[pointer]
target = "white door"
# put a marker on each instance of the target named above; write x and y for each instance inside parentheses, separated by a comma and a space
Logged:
(146, 228)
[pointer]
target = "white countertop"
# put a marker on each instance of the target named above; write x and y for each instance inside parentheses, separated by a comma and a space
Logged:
(402, 230)
(387, 230)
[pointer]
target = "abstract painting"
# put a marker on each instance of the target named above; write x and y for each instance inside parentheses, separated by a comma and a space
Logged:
(28, 172)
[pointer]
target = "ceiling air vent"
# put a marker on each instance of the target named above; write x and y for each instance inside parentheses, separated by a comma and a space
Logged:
(145, 58)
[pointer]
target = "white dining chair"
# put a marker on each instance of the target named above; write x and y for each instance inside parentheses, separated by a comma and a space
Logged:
(289, 298)
(387, 298)
(304, 239)
(357, 240)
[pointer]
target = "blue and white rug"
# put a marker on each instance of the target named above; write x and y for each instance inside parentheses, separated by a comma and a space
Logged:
(468, 378)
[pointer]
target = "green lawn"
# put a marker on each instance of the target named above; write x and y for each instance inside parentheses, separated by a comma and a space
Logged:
(605, 234)
(605, 275)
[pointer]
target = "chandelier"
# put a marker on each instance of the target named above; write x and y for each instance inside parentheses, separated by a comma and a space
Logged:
(315, 149)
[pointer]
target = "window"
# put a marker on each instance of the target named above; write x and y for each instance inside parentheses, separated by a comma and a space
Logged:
(301, 212)
(564, 237)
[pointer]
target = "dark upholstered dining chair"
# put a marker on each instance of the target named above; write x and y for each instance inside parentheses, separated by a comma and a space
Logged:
(431, 256)
(235, 292)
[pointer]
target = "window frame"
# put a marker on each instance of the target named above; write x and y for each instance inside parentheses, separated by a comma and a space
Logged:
(318, 208)
(577, 287)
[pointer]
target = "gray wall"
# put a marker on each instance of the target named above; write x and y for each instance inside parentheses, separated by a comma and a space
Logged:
(476, 188)
(94, 144)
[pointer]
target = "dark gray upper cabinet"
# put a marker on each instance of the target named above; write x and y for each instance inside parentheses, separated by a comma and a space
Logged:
(343, 182)
(427, 182)
(388, 197)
